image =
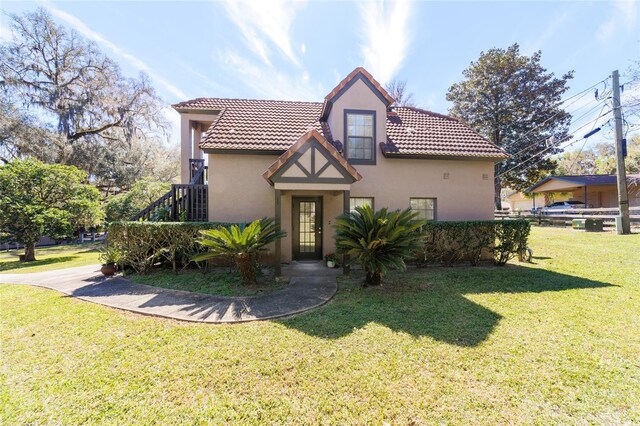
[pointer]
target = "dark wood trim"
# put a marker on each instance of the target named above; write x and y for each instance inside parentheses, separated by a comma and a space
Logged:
(278, 220)
(346, 208)
(295, 228)
(374, 147)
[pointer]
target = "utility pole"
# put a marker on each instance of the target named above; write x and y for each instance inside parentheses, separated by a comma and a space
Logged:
(623, 198)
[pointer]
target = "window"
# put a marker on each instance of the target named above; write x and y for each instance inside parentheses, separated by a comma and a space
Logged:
(426, 207)
(360, 136)
(360, 202)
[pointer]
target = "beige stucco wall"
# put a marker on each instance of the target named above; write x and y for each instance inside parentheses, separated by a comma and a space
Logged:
(237, 190)
(358, 96)
(465, 195)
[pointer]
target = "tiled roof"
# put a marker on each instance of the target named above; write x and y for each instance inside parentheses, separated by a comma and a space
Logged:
(247, 124)
(265, 125)
(416, 132)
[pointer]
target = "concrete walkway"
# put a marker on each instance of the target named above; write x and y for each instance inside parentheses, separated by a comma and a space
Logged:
(311, 285)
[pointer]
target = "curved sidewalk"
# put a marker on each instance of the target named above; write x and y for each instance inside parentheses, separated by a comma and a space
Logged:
(87, 283)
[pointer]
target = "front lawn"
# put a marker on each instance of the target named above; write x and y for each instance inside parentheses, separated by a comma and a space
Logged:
(52, 257)
(555, 342)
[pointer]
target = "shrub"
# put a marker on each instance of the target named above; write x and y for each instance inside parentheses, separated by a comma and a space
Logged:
(379, 241)
(143, 244)
(451, 242)
(511, 239)
(241, 244)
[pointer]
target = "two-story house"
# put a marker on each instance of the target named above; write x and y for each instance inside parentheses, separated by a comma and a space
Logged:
(305, 163)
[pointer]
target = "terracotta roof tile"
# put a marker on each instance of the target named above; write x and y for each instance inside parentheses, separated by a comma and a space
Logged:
(265, 125)
(256, 124)
(417, 132)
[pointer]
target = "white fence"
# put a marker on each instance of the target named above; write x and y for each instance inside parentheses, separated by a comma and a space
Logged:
(607, 214)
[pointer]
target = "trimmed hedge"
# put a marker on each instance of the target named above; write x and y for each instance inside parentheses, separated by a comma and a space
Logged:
(451, 242)
(143, 244)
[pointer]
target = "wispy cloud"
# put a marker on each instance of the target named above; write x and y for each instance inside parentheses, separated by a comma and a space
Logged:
(87, 32)
(270, 83)
(385, 37)
(549, 32)
(263, 24)
(623, 15)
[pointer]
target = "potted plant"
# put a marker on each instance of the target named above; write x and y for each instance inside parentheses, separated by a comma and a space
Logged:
(109, 258)
(332, 260)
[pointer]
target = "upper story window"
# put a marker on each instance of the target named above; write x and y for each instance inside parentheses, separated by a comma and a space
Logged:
(360, 136)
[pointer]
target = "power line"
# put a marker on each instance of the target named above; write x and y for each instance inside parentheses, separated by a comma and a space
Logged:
(576, 120)
(583, 93)
(585, 142)
(568, 137)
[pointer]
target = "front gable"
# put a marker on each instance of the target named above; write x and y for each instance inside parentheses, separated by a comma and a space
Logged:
(311, 163)
(357, 75)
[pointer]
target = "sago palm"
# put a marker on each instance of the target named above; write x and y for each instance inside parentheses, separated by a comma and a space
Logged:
(379, 241)
(242, 244)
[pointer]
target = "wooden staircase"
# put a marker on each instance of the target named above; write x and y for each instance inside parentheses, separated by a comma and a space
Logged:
(183, 202)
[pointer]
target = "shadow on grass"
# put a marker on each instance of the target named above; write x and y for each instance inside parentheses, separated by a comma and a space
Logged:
(431, 302)
(14, 265)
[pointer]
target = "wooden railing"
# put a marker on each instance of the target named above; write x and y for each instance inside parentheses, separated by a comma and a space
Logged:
(198, 172)
(183, 202)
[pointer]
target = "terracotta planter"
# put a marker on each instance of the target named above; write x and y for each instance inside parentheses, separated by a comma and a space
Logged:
(108, 270)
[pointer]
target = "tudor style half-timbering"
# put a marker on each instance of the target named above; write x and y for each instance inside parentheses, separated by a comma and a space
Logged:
(306, 162)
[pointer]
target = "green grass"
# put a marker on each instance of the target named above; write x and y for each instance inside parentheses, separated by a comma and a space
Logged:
(50, 258)
(219, 281)
(556, 342)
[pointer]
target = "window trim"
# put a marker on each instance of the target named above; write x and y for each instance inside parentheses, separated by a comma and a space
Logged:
(435, 206)
(346, 140)
(373, 203)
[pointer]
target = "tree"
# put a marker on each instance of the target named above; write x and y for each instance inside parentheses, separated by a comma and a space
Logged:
(18, 130)
(39, 199)
(242, 244)
(398, 91)
(599, 160)
(514, 102)
(379, 241)
(126, 205)
(66, 80)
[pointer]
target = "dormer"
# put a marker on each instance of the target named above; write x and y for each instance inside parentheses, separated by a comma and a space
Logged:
(356, 112)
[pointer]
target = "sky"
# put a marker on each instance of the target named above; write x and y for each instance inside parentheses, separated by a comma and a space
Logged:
(272, 49)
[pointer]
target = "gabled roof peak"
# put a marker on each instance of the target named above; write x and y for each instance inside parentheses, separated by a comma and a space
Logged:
(357, 74)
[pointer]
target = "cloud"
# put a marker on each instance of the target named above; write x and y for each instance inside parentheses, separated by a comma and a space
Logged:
(624, 15)
(87, 32)
(270, 83)
(385, 37)
(264, 23)
(550, 31)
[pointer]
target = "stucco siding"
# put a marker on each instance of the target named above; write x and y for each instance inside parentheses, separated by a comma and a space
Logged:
(358, 97)
(464, 195)
(237, 190)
